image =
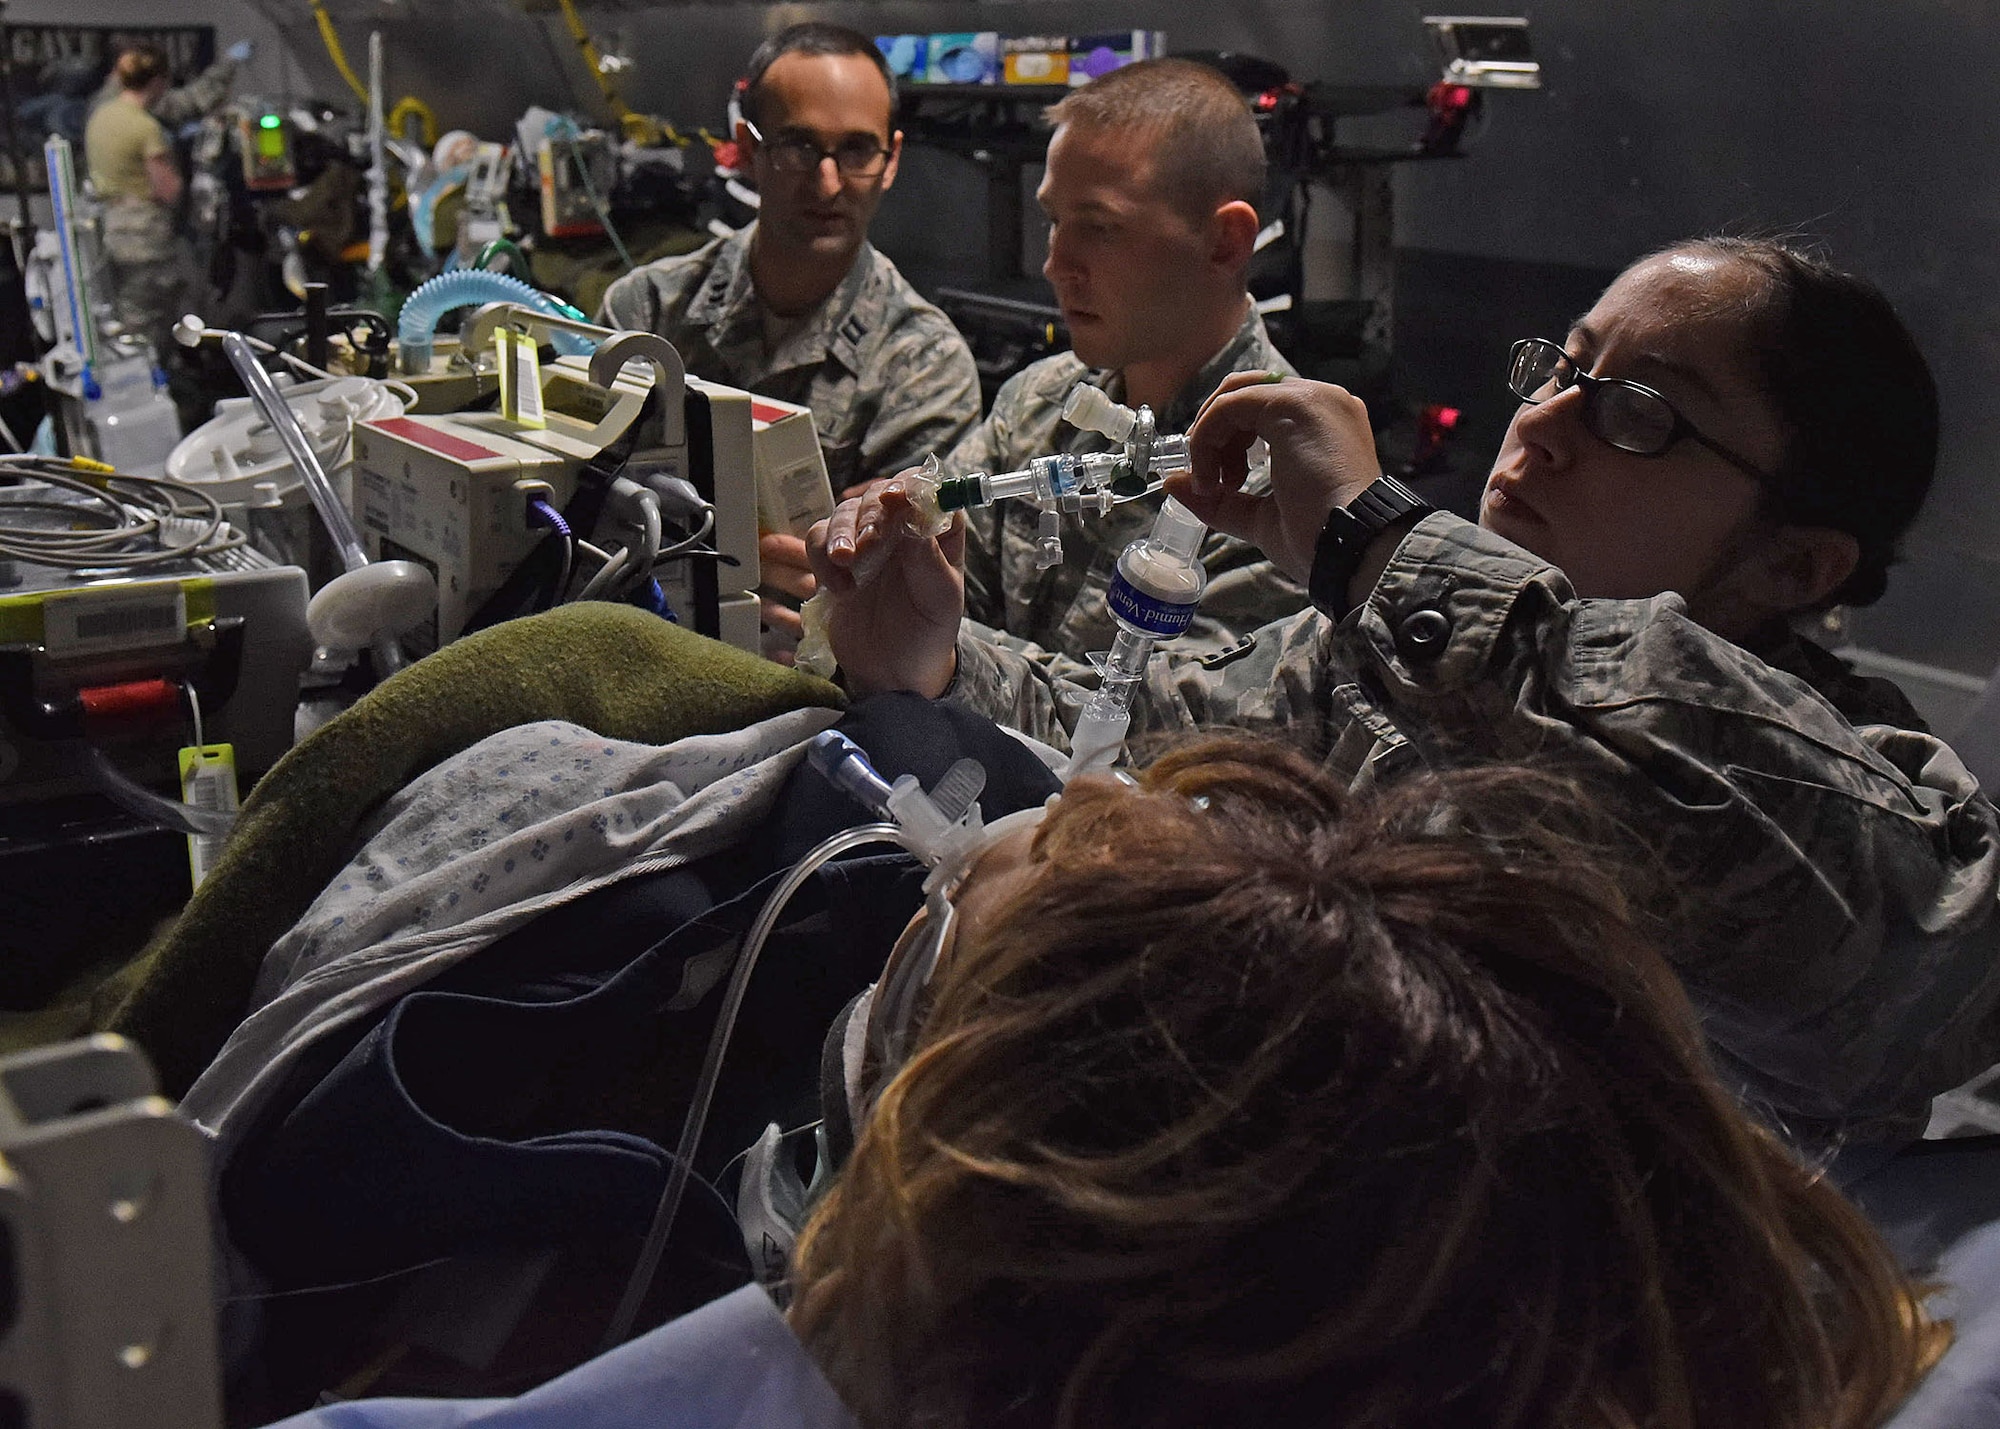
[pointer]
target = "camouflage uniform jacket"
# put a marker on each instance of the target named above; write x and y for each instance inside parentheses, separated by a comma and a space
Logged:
(887, 376)
(1062, 608)
(1832, 867)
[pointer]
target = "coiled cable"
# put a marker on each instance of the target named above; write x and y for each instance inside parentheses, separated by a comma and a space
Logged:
(105, 520)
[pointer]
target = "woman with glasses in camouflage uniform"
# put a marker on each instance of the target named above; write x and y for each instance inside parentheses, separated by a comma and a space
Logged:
(1735, 436)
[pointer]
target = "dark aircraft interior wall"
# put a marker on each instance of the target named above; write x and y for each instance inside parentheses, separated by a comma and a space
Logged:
(1856, 123)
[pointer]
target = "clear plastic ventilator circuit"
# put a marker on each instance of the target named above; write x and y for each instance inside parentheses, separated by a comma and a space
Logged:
(1152, 596)
(944, 829)
(1159, 580)
(1094, 481)
(1160, 577)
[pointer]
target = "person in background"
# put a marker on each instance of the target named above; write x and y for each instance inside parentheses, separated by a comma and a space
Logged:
(1736, 436)
(799, 306)
(132, 168)
(197, 99)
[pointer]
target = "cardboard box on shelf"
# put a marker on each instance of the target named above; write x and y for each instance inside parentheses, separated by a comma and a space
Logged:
(1035, 59)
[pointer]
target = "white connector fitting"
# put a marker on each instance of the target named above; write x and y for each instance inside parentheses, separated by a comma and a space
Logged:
(1092, 411)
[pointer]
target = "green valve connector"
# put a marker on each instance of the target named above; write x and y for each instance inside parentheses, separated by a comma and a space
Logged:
(958, 493)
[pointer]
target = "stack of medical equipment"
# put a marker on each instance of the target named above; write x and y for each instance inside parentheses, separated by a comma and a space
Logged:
(133, 615)
(368, 605)
(605, 474)
(593, 459)
(240, 459)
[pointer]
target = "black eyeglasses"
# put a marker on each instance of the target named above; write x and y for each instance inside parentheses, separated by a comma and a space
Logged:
(859, 156)
(1626, 415)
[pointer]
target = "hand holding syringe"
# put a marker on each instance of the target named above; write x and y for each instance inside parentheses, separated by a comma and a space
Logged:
(1159, 580)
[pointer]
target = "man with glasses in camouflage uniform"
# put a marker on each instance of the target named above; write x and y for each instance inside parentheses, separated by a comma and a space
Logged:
(799, 306)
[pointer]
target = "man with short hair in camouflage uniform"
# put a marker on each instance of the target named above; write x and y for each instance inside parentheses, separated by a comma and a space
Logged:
(1153, 178)
(1735, 436)
(799, 306)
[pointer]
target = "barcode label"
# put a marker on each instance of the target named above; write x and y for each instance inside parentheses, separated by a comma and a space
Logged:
(203, 793)
(520, 378)
(115, 624)
(119, 619)
(208, 782)
(528, 383)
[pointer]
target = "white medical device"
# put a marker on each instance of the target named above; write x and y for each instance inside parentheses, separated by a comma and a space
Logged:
(111, 398)
(120, 660)
(456, 492)
(108, 1319)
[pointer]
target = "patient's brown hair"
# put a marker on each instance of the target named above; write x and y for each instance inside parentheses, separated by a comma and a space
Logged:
(1258, 1105)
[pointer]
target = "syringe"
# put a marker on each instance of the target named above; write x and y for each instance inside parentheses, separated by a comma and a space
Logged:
(1152, 596)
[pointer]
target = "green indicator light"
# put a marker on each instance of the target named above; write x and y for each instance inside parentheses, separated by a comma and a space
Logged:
(270, 121)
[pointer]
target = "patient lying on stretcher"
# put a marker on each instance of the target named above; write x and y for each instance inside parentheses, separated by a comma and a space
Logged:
(1236, 1100)
(1235, 1106)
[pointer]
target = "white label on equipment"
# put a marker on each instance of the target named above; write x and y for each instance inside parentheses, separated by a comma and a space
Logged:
(520, 366)
(100, 622)
(806, 495)
(208, 782)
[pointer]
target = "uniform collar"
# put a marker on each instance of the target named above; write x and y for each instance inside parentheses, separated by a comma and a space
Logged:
(728, 307)
(726, 294)
(1862, 699)
(1248, 348)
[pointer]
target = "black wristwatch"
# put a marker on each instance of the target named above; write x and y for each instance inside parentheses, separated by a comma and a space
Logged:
(1345, 538)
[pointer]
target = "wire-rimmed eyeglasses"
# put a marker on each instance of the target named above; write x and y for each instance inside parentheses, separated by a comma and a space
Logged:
(1627, 415)
(859, 156)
